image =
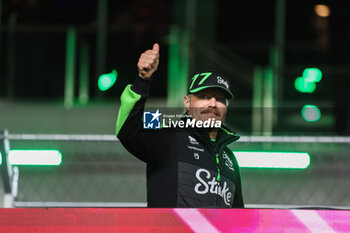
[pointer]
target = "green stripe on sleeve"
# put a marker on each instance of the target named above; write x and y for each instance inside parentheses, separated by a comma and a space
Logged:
(128, 100)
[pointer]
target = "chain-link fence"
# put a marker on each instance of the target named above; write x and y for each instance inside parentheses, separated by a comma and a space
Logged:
(96, 170)
(324, 183)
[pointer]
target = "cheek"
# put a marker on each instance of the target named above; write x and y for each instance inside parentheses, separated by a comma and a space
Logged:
(222, 110)
(194, 105)
(195, 109)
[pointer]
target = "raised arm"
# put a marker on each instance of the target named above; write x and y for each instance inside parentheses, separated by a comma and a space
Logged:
(129, 127)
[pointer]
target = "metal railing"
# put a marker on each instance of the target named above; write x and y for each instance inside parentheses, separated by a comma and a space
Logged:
(96, 170)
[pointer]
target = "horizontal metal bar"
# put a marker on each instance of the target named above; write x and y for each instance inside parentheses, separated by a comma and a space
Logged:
(301, 139)
(79, 204)
(113, 138)
(64, 137)
(143, 204)
(274, 206)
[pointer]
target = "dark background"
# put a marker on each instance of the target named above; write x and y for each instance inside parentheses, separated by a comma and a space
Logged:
(241, 31)
(245, 29)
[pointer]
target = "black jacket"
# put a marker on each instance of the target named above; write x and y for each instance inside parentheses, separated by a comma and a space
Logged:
(182, 166)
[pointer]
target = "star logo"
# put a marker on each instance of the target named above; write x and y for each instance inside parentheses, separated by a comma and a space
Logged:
(151, 120)
(156, 115)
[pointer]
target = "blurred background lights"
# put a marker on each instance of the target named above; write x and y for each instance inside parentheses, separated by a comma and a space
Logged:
(106, 81)
(34, 157)
(322, 10)
(263, 159)
(303, 86)
(311, 113)
(312, 74)
(307, 83)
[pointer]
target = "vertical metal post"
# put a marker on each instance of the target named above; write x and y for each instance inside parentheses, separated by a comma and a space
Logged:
(6, 169)
(70, 68)
(173, 66)
(177, 66)
(280, 39)
(0, 29)
(189, 37)
(84, 74)
(190, 7)
(11, 56)
(101, 37)
(268, 101)
(278, 53)
(179, 51)
(184, 65)
(257, 116)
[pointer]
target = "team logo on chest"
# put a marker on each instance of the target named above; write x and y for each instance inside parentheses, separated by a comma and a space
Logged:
(208, 184)
(228, 161)
(193, 141)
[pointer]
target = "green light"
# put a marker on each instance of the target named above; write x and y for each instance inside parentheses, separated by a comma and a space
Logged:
(307, 83)
(312, 75)
(35, 157)
(303, 86)
(106, 81)
(311, 113)
(288, 160)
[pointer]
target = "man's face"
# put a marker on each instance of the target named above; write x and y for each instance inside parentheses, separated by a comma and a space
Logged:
(205, 104)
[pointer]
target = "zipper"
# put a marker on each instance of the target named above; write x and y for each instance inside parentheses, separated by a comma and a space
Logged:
(218, 177)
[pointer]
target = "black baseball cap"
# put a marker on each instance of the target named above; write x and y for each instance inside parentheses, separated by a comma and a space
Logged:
(209, 80)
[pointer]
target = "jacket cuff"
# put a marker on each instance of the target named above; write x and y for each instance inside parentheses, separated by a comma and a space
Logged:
(141, 86)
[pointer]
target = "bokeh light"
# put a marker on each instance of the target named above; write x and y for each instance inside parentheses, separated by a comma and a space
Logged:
(322, 10)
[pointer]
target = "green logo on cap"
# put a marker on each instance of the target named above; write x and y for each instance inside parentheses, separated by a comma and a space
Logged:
(206, 75)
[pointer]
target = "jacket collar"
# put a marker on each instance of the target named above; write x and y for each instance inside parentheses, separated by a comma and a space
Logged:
(224, 137)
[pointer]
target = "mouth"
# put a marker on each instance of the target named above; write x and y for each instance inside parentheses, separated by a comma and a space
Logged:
(210, 114)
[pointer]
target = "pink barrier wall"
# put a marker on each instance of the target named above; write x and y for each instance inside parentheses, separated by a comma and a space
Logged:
(172, 220)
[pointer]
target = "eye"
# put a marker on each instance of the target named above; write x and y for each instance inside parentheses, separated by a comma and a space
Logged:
(204, 96)
(221, 100)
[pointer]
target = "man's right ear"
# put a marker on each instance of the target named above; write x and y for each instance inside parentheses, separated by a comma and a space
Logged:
(187, 101)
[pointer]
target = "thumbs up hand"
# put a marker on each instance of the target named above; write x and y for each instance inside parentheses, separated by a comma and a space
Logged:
(148, 62)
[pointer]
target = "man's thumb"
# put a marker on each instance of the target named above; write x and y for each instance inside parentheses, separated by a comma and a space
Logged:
(156, 47)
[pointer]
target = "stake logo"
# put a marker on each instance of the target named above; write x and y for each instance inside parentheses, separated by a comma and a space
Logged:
(222, 81)
(208, 184)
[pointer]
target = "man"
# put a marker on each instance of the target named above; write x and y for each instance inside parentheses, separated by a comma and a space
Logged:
(185, 168)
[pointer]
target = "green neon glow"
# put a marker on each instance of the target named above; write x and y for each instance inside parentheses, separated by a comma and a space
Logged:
(307, 83)
(312, 74)
(35, 157)
(303, 86)
(286, 160)
(106, 81)
(310, 113)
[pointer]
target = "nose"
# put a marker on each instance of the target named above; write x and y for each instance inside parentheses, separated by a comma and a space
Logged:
(212, 102)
